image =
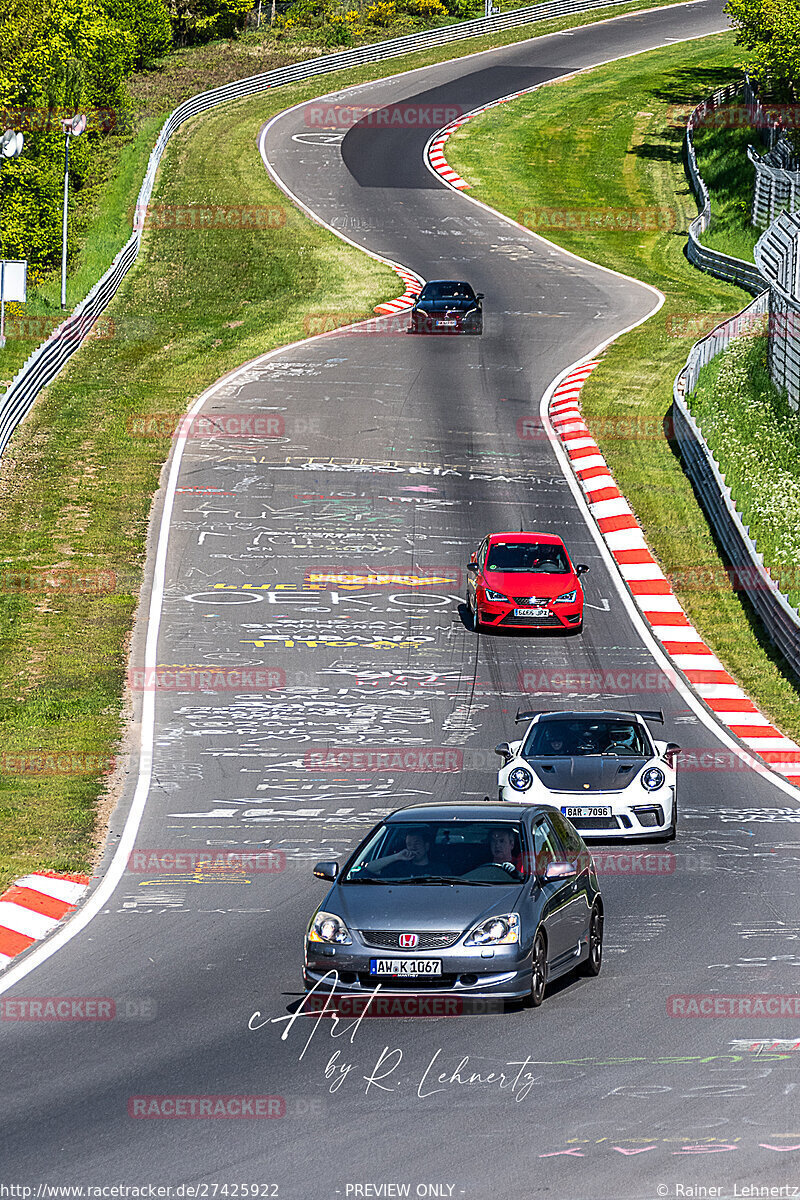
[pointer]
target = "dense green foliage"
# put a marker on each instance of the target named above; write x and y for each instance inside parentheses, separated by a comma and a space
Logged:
(61, 57)
(770, 30)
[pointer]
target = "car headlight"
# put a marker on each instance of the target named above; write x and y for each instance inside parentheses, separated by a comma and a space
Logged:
(496, 597)
(496, 931)
(567, 598)
(652, 779)
(520, 779)
(327, 927)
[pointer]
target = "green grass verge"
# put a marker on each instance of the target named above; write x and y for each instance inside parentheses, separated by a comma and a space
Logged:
(729, 176)
(755, 437)
(607, 142)
(77, 487)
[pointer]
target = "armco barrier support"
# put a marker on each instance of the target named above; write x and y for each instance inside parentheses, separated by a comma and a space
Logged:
(777, 183)
(777, 253)
(48, 358)
(780, 619)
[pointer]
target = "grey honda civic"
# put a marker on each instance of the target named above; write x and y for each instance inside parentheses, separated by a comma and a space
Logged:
(485, 899)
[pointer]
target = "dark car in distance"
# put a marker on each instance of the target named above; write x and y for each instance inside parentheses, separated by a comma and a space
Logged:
(447, 306)
(474, 899)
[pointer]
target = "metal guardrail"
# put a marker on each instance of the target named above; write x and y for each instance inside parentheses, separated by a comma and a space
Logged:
(779, 618)
(724, 266)
(47, 359)
(776, 271)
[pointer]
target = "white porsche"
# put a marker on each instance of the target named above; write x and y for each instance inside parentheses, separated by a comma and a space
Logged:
(603, 770)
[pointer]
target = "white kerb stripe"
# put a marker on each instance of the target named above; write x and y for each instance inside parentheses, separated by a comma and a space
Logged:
(59, 889)
(23, 920)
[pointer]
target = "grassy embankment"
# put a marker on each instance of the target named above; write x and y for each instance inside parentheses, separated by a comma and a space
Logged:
(609, 141)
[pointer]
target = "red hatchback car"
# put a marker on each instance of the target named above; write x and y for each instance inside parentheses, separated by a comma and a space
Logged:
(524, 579)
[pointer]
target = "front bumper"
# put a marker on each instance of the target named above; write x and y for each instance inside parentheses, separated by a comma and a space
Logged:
(643, 817)
(500, 615)
(467, 971)
(422, 322)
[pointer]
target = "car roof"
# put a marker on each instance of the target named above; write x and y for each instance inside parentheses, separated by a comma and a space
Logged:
(459, 281)
(463, 810)
(548, 539)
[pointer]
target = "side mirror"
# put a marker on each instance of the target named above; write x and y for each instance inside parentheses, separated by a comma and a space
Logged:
(505, 752)
(581, 568)
(326, 870)
(560, 870)
(479, 296)
(472, 567)
(671, 753)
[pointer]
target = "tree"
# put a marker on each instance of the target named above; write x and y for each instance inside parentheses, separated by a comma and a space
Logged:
(770, 30)
(201, 20)
(148, 21)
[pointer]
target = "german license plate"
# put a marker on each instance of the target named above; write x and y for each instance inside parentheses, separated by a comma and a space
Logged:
(446, 322)
(405, 966)
(585, 811)
(531, 612)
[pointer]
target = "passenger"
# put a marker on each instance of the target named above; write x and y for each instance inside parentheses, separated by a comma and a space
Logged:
(404, 864)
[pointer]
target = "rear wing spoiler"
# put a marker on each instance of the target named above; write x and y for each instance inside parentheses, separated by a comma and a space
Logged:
(649, 714)
(527, 714)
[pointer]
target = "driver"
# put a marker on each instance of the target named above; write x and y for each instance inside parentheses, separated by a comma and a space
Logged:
(504, 850)
(621, 737)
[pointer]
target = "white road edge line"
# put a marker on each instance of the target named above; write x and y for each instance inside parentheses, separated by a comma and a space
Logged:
(102, 894)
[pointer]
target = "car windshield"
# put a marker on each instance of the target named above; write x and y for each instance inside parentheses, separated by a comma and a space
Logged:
(447, 291)
(580, 736)
(471, 852)
(532, 557)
